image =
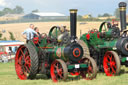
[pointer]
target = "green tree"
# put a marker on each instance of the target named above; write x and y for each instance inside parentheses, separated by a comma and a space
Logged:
(7, 11)
(12, 36)
(99, 15)
(117, 13)
(106, 15)
(1, 13)
(36, 10)
(18, 10)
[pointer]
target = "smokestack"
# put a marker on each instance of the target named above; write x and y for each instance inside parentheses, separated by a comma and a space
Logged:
(122, 7)
(73, 24)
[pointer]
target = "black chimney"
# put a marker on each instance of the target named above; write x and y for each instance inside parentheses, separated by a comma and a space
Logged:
(122, 7)
(73, 24)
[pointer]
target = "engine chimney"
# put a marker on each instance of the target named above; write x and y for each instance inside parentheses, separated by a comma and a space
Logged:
(122, 7)
(73, 24)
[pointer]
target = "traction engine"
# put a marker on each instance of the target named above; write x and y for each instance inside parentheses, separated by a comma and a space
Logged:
(56, 55)
(109, 45)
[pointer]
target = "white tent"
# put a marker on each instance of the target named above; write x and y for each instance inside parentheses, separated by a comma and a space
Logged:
(42, 14)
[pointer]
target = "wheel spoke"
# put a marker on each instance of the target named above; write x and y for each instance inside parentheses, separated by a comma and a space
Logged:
(19, 60)
(60, 75)
(55, 66)
(113, 71)
(114, 66)
(27, 69)
(27, 60)
(88, 74)
(109, 57)
(106, 60)
(110, 67)
(22, 53)
(57, 70)
(26, 51)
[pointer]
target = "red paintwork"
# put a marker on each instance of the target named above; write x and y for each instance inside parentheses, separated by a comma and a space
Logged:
(74, 54)
(36, 40)
(88, 36)
(75, 74)
(22, 70)
(98, 35)
(56, 67)
(86, 74)
(109, 59)
(3, 53)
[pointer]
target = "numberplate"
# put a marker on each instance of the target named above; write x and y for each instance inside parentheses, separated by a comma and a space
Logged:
(127, 58)
(77, 66)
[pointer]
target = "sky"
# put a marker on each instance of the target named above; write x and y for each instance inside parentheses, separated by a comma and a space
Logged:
(93, 7)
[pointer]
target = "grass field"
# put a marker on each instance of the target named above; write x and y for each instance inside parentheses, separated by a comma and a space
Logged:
(9, 77)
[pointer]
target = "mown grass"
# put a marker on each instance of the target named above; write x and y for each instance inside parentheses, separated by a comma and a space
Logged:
(9, 77)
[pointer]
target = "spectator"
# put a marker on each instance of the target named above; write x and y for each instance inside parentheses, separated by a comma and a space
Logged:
(28, 34)
(37, 30)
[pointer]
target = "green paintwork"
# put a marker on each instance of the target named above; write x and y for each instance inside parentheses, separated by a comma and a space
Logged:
(99, 43)
(93, 41)
(108, 33)
(54, 32)
(108, 44)
(123, 59)
(81, 66)
(53, 52)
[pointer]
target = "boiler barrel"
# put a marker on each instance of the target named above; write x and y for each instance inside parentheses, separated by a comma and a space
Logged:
(72, 52)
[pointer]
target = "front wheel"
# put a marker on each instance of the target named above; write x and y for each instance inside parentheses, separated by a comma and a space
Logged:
(91, 71)
(58, 70)
(111, 63)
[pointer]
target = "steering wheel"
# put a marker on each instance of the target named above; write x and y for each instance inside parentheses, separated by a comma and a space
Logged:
(105, 26)
(43, 35)
(54, 32)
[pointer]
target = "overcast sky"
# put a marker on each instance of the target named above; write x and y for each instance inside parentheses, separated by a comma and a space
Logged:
(93, 7)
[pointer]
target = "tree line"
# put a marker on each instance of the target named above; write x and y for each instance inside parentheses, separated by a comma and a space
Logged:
(116, 14)
(20, 10)
(16, 10)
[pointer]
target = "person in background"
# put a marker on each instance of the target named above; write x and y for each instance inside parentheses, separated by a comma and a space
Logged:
(37, 30)
(28, 34)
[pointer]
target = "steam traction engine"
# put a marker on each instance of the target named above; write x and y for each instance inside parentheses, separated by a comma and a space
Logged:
(109, 45)
(55, 55)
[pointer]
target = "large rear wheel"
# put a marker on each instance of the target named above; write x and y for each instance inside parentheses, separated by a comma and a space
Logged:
(111, 63)
(26, 62)
(58, 70)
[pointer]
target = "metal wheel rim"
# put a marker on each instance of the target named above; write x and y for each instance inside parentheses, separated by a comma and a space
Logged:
(22, 63)
(109, 64)
(57, 72)
(89, 73)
